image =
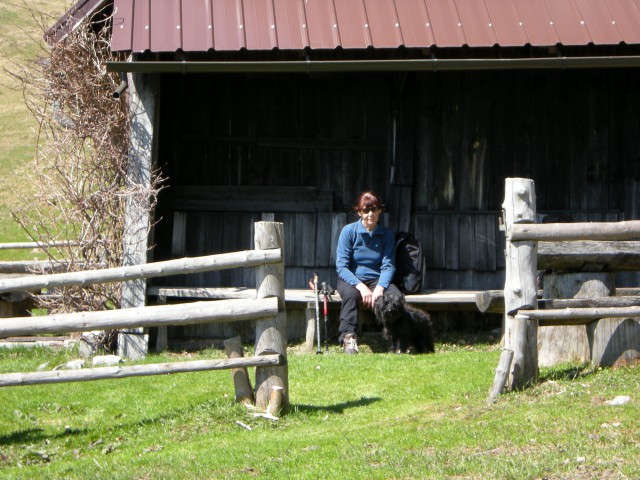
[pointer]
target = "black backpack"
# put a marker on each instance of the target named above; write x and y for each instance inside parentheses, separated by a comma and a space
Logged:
(409, 263)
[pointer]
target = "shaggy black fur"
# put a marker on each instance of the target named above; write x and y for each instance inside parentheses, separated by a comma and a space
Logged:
(408, 329)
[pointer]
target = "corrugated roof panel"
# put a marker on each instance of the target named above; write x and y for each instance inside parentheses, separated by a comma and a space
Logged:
(166, 35)
(383, 23)
(353, 24)
(141, 25)
(322, 24)
(416, 25)
(507, 23)
(537, 23)
(626, 15)
(476, 23)
(231, 25)
(122, 26)
(568, 22)
(197, 26)
(228, 25)
(447, 26)
(260, 25)
(291, 20)
(598, 21)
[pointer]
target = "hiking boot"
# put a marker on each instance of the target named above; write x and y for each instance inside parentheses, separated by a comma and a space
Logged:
(350, 344)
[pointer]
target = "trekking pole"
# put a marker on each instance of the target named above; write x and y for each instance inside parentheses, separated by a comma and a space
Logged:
(315, 290)
(327, 290)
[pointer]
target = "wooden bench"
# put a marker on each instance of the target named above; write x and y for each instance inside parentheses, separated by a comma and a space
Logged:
(437, 300)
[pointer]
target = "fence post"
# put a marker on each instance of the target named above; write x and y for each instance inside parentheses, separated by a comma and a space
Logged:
(520, 290)
(271, 333)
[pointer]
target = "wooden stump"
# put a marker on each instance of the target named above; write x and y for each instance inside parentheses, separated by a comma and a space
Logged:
(559, 344)
(615, 342)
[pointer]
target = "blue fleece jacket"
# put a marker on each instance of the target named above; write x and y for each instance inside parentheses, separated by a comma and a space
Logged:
(362, 256)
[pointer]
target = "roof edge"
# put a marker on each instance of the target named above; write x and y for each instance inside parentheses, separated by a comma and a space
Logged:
(327, 66)
(72, 18)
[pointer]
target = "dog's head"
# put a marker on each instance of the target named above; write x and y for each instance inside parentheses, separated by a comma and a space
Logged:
(388, 307)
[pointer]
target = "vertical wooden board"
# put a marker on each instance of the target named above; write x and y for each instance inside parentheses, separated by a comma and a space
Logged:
(485, 242)
(439, 241)
(425, 132)
(402, 172)
(522, 128)
(288, 220)
(617, 84)
(399, 208)
(452, 241)
(423, 229)
(466, 242)
(598, 142)
(306, 238)
(323, 239)
(314, 171)
(577, 99)
(338, 221)
(444, 181)
(471, 158)
(178, 233)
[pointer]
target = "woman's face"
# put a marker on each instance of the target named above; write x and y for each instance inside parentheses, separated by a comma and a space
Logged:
(370, 217)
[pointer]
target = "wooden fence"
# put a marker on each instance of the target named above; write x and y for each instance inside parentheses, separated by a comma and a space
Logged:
(583, 265)
(271, 376)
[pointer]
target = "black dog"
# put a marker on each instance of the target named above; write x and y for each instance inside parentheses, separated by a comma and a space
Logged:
(408, 329)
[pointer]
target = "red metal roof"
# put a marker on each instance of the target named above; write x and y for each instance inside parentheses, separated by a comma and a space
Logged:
(228, 25)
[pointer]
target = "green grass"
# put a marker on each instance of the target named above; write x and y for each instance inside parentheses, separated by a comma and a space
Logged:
(371, 416)
(20, 42)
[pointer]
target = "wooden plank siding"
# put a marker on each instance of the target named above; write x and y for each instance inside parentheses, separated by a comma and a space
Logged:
(436, 146)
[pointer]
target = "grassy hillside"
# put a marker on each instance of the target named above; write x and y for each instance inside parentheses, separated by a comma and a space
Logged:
(20, 42)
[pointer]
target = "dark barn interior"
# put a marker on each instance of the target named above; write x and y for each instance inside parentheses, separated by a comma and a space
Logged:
(299, 148)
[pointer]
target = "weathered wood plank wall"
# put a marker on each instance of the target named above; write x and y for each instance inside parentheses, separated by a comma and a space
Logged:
(436, 146)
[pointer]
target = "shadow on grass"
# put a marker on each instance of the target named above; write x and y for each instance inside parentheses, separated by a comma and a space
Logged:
(338, 408)
(34, 435)
(565, 372)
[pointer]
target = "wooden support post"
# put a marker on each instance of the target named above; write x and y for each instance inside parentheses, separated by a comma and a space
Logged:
(520, 291)
(244, 393)
(271, 333)
(502, 374)
(143, 88)
(310, 316)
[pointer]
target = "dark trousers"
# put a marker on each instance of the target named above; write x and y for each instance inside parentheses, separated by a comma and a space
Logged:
(351, 299)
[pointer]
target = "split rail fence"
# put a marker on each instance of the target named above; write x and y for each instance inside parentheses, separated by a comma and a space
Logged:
(267, 309)
(588, 254)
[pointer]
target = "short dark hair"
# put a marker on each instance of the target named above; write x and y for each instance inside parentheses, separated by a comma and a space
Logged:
(368, 199)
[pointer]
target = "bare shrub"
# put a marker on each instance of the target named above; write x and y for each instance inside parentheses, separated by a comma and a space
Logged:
(81, 163)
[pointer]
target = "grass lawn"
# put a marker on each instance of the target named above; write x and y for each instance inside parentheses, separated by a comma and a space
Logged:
(20, 42)
(370, 416)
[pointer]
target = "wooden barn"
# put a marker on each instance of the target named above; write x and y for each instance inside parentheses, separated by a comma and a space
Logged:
(288, 109)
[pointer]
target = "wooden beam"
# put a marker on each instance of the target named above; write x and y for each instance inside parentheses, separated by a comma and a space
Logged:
(104, 373)
(598, 302)
(589, 256)
(248, 258)
(159, 315)
(579, 316)
(250, 199)
(558, 232)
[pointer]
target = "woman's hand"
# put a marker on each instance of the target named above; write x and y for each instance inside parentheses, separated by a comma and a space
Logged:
(366, 294)
(377, 292)
(369, 297)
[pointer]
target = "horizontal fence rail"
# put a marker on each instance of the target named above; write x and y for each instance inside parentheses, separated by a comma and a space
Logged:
(154, 316)
(558, 232)
(103, 373)
(32, 245)
(248, 258)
